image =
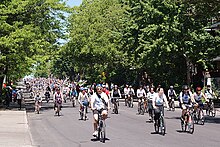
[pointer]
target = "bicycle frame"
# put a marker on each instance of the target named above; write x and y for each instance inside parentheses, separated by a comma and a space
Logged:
(188, 121)
(115, 102)
(159, 124)
(101, 127)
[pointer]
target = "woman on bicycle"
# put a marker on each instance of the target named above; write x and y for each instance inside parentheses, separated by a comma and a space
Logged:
(83, 99)
(150, 96)
(158, 103)
(186, 98)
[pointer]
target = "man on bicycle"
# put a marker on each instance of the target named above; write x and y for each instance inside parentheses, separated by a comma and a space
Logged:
(115, 94)
(171, 95)
(141, 95)
(99, 102)
(210, 95)
(58, 99)
(126, 92)
(38, 100)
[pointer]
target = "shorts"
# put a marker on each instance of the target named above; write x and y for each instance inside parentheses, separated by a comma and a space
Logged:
(96, 113)
(200, 103)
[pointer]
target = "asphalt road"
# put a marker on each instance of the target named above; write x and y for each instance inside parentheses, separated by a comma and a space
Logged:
(126, 129)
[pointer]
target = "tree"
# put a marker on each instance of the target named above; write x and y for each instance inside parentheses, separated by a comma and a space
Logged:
(29, 30)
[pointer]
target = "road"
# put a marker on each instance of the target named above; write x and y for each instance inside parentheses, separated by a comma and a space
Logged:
(127, 129)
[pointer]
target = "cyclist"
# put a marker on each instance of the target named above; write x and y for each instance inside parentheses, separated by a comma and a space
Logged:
(115, 93)
(186, 98)
(198, 97)
(210, 95)
(38, 100)
(126, 92)
(141, 95)
(171, 95)
(99, 102)
(58, 99)
(158, 103)
(83, 99)
(131, 94)
(150, 96)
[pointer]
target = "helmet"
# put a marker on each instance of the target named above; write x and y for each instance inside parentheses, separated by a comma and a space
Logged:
(185, 87)
(198, 89)
(171, 87)
(99, 85)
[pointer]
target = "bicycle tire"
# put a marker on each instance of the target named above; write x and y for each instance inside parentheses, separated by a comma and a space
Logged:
(213, 112)
(173, 106)
(156, 126)
(102, 139)
(191, 125)
(162, 126)
(202, 119)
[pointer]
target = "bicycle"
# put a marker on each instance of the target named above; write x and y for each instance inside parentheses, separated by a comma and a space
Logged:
(188, 121)
(101, 127)
(159, 123)
(141, 106)
(171, 103)
(211, 111)
(73, 99)
(83, 108)
(37, 106)
(199, 116)
(58, 107)
(115, 102)
(130, 101)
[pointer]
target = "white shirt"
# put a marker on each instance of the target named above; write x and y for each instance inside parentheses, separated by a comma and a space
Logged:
(97, 103)
(141, 93)
(126, 91)
(151, 96)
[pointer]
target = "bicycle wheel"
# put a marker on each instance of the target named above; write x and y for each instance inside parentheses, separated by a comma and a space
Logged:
(156, 126)
(195, 117)
(162, 126)
(191, 124)
(102, 133)
(213, 112)
(116, 109)
(142, 109)
(173, 106)
(182, 126)
(202, 118)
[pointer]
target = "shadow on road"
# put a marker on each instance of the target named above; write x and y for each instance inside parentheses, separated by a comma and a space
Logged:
(215, 120)
(157, 133)
(95, 139)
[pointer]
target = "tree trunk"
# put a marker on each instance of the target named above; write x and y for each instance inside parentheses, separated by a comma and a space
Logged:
(1, 83)
(188, 75)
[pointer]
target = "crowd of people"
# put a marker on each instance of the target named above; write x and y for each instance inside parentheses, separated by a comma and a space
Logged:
(103, 97)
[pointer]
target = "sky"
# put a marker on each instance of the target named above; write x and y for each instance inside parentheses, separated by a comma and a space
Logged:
(74, 2)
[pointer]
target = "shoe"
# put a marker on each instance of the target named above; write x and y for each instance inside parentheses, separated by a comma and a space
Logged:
(95, 134)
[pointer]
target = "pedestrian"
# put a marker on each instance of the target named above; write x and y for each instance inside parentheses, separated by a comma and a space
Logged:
(7, 98)
(19, 98)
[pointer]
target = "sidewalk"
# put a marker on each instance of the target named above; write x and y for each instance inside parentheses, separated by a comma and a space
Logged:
(14, 130)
